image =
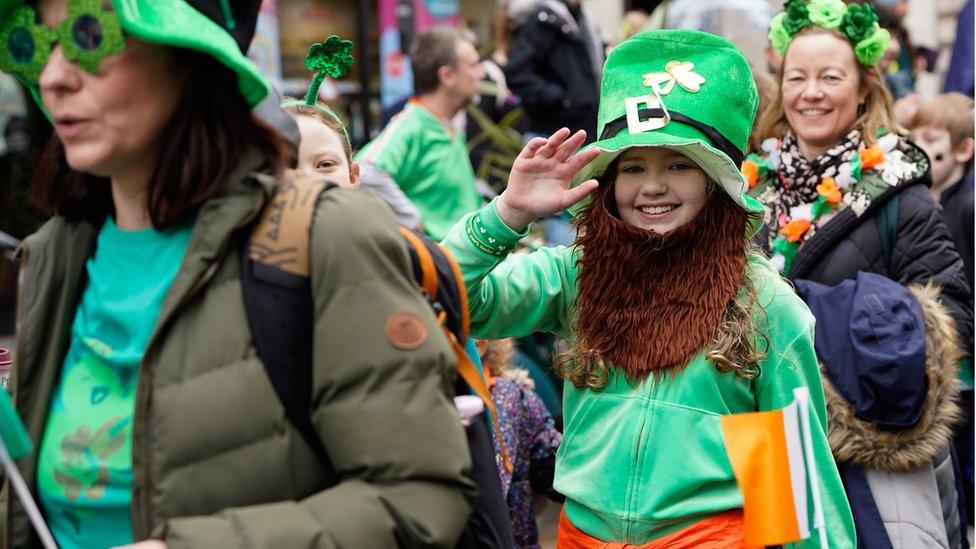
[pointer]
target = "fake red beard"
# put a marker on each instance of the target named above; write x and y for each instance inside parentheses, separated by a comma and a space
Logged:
(647, 302)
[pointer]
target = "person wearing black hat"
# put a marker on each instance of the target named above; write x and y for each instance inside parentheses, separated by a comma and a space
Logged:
(152, 411)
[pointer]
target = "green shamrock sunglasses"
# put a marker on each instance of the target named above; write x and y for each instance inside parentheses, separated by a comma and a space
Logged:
(87, 35)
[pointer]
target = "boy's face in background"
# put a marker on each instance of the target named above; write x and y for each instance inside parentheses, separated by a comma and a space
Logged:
(946, 162)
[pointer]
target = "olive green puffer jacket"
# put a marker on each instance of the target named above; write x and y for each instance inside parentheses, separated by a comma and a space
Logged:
(215, 461)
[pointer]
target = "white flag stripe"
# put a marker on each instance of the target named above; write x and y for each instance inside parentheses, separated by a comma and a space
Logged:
(798, 476)
(802, 396)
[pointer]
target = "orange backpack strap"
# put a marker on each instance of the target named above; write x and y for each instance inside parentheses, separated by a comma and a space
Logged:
(428, 280)
(428, 271)
(462, 289)
(470, 374)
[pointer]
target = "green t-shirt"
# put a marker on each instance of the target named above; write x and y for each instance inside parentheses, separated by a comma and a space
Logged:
(431, 166)
(84, 471)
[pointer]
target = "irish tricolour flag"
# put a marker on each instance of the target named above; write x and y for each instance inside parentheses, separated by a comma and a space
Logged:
(772, 458)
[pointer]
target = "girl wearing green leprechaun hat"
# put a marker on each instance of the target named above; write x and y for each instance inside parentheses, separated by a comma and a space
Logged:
(672, 322)
(136, 372)
(847, 193)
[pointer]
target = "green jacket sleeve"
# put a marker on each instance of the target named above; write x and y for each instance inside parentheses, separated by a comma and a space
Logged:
(512, 295)
(791, 362)
(383, 411)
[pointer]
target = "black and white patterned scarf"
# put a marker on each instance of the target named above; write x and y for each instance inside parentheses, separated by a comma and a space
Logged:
(797, 178)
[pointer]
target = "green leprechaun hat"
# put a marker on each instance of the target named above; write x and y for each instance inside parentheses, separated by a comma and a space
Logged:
(684, 90)
(221, 29)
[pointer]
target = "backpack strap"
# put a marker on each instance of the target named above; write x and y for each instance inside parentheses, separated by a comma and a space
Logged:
(429, 283)
(278, 300)
(887, 221)
(277, 297)
(281, 237)
(428, 270)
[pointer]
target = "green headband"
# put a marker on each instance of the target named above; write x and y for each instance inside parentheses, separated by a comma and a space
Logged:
(857, 22)
(332, 57)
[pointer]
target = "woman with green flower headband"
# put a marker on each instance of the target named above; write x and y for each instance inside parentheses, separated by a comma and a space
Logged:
(155, 420)
(845, 192)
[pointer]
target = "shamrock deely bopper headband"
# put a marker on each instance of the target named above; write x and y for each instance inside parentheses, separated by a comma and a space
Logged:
(332, 58)
(856, 22)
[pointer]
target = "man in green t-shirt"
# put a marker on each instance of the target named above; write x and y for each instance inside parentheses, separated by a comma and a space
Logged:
(419, 162)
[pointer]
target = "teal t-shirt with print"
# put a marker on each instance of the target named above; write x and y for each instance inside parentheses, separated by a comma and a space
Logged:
(84, 471)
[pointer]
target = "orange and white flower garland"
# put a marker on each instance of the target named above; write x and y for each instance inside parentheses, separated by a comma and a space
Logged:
(801, 222)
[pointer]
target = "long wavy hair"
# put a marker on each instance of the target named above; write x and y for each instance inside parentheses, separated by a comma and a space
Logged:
(738, 345)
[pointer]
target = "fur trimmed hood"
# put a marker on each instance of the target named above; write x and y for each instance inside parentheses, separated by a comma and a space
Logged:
(864, 444)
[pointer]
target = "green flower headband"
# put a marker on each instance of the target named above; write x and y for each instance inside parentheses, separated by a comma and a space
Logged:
(332, 57)
(857, 22)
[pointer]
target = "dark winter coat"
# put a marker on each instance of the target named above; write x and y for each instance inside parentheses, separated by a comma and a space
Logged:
(957, 206)
(215, 462)
(909, 472)
(923, 250)
(891, 363)
(551, 69)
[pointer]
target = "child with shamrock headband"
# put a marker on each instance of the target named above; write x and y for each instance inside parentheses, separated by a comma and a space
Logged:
(845, 193)
(324, 148)
(672, 323)
(137, 375)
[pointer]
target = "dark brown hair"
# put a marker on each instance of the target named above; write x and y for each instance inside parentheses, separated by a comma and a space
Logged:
(211, 130)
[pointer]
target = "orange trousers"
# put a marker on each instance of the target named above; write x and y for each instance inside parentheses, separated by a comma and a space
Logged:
(721, 531)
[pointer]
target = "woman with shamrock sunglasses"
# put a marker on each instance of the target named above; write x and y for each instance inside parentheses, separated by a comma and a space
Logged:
(846, 194)
(136, 371)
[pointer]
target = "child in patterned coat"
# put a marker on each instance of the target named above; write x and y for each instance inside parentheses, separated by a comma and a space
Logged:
(530, 435)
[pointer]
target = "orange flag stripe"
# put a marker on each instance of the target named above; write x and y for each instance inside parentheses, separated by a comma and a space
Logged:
(757, 448)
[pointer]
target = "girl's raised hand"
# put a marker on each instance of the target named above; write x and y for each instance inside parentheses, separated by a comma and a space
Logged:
(539, 184)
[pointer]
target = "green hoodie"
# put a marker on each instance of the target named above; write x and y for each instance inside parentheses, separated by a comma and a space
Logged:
(640, 462)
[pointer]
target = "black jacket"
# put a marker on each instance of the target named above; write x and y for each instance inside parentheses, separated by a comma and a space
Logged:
(550, 68)
(923, 250)
(957, 206)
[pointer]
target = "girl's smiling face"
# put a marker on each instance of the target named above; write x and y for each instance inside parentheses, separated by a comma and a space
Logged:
(321, 151)
(658, 189)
